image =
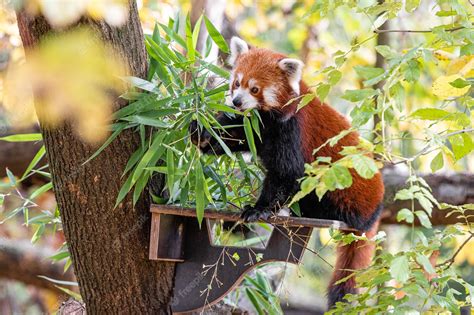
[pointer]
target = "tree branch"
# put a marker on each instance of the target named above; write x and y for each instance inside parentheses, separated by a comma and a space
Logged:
(455, 189)
(24, 262)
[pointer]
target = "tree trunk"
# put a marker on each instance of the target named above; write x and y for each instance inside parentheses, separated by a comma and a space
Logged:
(109, 247)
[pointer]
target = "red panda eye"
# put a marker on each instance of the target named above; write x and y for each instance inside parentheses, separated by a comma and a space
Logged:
(254, 90)
(237, 84)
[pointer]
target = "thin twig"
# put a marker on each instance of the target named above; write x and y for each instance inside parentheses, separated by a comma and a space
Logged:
(379, 31)
(450, 261)
(428, 149)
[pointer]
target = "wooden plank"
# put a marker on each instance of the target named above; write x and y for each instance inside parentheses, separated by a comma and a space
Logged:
(235, 216)
(154, 236)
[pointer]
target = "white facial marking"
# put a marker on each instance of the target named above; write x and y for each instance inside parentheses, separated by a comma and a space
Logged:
(247, 99)
(237, 48)
(270, 96)
(294, 70)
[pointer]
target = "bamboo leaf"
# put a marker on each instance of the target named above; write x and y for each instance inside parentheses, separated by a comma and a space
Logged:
(25, 137)
(199, 188)
(216, 36)
(250, 138)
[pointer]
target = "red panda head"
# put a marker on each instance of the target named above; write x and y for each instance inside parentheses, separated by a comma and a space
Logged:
(261, 78)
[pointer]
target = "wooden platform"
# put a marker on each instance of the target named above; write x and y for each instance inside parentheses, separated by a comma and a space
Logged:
(232, 216)
(206, 273)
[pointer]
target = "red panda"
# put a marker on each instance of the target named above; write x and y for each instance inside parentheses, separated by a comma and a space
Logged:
(268, 81)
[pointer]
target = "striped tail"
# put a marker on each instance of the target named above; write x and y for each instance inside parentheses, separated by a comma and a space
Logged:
(354, 256)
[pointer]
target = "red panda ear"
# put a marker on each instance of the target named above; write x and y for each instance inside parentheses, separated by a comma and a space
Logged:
(293, 68)
(237, 47)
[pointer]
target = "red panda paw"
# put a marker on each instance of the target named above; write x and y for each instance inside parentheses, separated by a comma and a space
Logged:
(252, 214)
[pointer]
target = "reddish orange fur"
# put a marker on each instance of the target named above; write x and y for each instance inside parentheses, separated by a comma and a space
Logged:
(354, 256)
(318, 123)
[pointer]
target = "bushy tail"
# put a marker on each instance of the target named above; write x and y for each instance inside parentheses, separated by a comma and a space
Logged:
(354, 256)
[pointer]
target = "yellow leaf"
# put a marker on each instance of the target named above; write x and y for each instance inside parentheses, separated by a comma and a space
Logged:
(444, 90)
(458, 65)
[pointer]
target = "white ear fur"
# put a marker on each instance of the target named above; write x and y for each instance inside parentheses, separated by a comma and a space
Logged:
(294, 70)
(237, 47)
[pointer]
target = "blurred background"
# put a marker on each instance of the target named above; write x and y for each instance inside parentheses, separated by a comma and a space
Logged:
(273, 24)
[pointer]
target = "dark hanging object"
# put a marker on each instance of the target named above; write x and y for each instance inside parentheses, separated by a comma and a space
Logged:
(205, 273)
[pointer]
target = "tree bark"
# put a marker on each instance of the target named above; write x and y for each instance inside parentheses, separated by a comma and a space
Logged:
(109, 247)
(455, 189)
(22, 261)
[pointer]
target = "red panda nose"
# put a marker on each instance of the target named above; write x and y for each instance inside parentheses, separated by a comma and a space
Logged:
(237, 101)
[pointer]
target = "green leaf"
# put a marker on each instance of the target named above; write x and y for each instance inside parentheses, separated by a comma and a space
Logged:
(253, 299)
(216, 36)
(112, 137)
(337, 177)
(38, 233)
(386, 51)
(424, 219)
(250, 137)
(305, 100)
(362, 114)
(322, 91)
(367, 73)
(399, 269)
(140, 186)
(364, 166)
(295, 207)
(197, 28)
(217, 70)
(461, 144)
(358, 95)
(459, 83)
(71, 293)
(147, 121)
(405, 215)
(142, 84)
(254, 119)
(69, 283)
(38, 156)
(334, 77)
(189, 39)
(437, 163)
(411, 5)
(425, 263)
(199, 188)
(60, 256)
(149, 155)
(411, 70)
(126, 187)
(467, 50)
(11, 177)
(170, 170)
(25, 137)
(397, 92)
(41, 190)
(430, 114)
(173, 35)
